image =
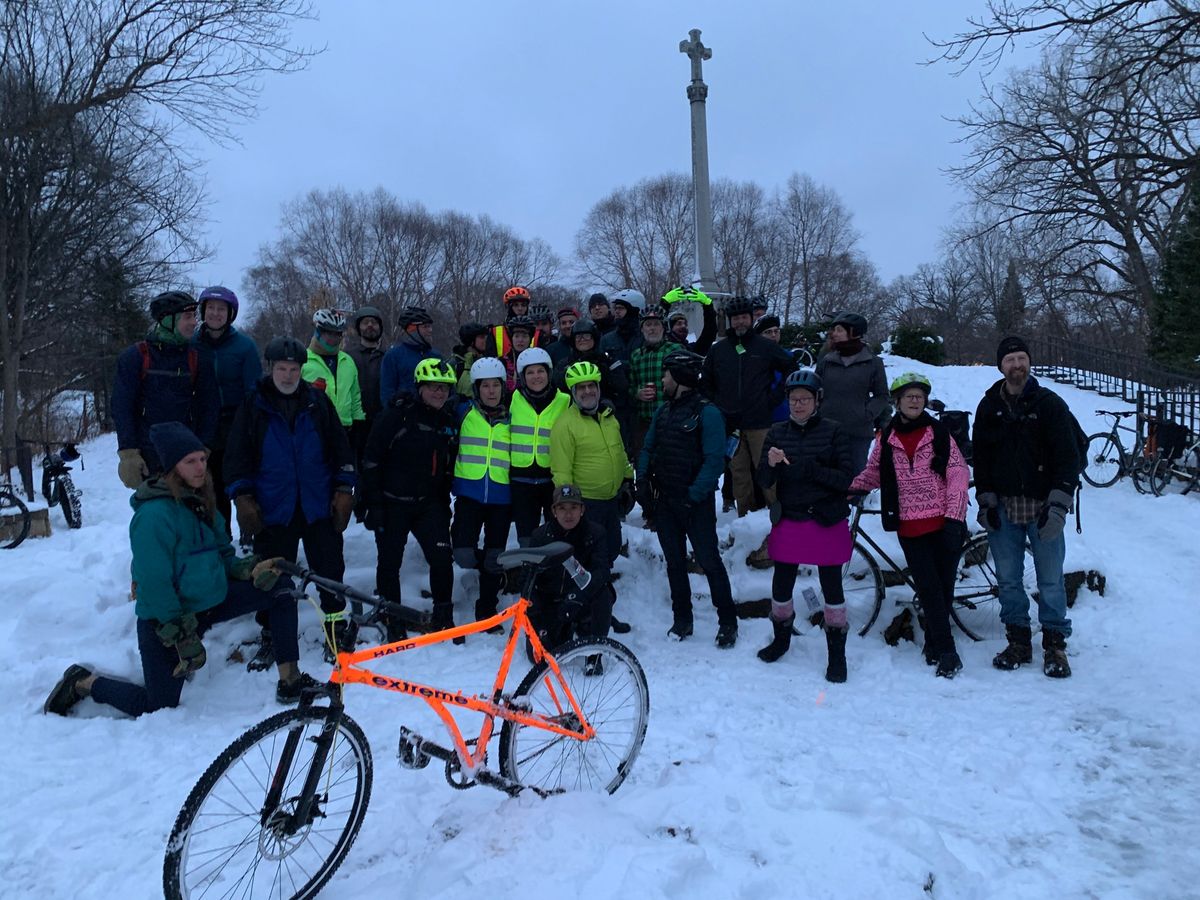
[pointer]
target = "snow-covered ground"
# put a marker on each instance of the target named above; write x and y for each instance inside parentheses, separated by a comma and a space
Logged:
(754, 781)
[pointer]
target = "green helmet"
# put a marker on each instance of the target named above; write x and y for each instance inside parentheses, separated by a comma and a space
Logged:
(911, 379)
(433, 371)
(581, 372)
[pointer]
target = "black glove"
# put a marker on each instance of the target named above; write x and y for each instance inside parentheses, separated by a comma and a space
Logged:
(570, 608)
(1054, 516)
(644, 494)
(625, 498)
(989, 511)
(181, 636)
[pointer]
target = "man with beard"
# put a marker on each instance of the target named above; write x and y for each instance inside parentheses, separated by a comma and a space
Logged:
(561, 348)
(600, 312)
(367, 353)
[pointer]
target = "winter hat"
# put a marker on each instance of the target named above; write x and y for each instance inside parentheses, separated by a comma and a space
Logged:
(567, 311)
(765, 322)
(1011, 344)
(566, 493)
(597, 300)
(172, 442)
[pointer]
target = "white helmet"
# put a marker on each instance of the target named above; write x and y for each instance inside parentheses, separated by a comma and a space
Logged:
(329, 320)
(534, 356)
(630, 297)
(488, 367)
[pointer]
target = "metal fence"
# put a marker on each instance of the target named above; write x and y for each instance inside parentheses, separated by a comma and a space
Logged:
(1160, 392)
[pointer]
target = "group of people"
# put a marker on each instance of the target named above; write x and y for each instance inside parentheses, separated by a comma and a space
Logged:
(559, 432)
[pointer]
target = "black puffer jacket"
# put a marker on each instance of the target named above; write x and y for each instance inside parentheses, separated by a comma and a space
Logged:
(814, 481)
(591, 550)
(409, 454)
(1027, 449)
(738, 376)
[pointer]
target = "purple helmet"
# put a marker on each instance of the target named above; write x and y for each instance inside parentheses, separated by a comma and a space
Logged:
(216, 292)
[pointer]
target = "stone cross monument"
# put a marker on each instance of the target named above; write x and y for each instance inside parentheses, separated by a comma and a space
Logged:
(697, 92)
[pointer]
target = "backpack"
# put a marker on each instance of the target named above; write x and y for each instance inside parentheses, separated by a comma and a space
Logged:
(958, 422)
(193, 361)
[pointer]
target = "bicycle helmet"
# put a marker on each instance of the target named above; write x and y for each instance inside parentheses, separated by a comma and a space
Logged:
(685, 367)
(170, 303)
(516, 292)
(759, 302)
(468, 332)
(585, 326)
(633, 300)
(329, 320)
(521, 323)
(534, 356)
(216, 292)
(653, 312)
(285, 349)
(807, 379)
(737, 306)
(488, 367)
(852, 322)
(911, 379)
(582, 372)
(434, 371)
(368, 312)
(540, 313)
(412, 316)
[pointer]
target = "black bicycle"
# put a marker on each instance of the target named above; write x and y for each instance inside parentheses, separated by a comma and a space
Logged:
(1107, 459)
(57, 486)
(14, 516)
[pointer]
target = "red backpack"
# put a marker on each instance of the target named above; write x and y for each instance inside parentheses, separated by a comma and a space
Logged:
(193, 361)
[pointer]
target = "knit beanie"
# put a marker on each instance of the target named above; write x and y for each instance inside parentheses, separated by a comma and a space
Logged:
(172, 442)
(1011, 344)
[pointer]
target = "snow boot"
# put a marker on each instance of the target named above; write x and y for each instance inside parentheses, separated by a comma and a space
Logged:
(65, 694)
(1019, 650)
(948, 664)
(619, 627)
(727, 634)
(680, 629)
(1054, 662)
(835, 639)
(288, 692)
(780, 642)
(264, 657)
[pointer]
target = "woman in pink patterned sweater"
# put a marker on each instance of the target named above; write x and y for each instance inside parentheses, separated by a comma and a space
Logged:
(923, 480)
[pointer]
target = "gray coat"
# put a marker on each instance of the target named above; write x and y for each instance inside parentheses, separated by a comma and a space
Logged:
(856, 392)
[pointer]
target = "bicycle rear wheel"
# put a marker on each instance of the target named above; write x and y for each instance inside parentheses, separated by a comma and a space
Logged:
(13, 509)
(69, 500)
(863, 589)
(976, 606)
(226, 843)
(1105, 460)
(610, 686)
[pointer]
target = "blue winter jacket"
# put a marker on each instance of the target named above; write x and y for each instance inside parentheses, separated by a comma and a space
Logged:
(396, 371)
(281, 464)
(167, 391)
(235, 364)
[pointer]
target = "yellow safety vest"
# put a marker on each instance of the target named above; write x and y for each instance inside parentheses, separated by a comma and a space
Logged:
(531, 429)
(483, 448)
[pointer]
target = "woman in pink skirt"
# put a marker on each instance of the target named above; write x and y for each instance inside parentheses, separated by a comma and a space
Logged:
(807, 460)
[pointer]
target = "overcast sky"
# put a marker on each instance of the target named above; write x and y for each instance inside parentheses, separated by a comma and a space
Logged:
(533, 111)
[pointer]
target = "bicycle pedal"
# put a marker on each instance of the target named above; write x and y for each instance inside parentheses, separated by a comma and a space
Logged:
(410, 752)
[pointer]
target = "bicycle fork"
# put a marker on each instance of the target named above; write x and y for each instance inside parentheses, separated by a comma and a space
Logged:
(272, 813)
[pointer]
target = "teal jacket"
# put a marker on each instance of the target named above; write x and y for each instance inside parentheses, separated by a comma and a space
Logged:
(181, 563)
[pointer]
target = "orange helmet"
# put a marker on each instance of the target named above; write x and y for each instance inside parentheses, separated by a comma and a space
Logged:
(516, 292)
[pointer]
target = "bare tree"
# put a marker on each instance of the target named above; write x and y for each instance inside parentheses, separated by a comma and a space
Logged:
(745, 239)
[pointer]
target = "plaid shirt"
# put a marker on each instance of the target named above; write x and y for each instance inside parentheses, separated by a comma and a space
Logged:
(646, 367)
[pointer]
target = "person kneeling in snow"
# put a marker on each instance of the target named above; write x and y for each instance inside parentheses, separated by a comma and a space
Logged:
(561, 606)
(186, 579)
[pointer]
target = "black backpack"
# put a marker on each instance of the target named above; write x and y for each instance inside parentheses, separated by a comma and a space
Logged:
(958, 421)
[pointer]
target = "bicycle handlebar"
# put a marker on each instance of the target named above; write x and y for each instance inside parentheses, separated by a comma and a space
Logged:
(307, 576)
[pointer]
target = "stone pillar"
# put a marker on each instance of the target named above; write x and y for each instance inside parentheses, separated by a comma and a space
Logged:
(697, 92)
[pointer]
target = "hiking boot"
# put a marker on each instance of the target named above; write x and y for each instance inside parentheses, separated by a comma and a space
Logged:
(619, 627)
(264, 656)
(1019, 650)
(948, 665)
(900, 627)
(758, 559)
(443, 618)
(64, 695)
(1054, 662)
(727, 635)
(288, 692)
(835, 640)
(593, 665)
(394, 628)
(679, 630)
(780, 642)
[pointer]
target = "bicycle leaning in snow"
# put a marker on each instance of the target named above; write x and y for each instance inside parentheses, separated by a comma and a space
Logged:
(281, 806)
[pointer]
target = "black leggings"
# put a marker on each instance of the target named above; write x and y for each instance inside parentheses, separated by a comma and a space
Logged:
(783, 582)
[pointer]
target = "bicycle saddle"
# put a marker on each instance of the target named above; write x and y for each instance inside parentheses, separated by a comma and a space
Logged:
(542, 557)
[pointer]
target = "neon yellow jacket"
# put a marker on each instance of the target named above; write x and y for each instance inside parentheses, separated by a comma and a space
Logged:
(342, 390)
(587, 451)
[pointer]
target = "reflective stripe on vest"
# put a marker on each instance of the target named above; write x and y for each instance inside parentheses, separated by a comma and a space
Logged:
(531, 430)
(504, 342)
(483, 449)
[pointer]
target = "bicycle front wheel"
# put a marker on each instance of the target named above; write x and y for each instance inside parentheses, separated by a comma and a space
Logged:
(976, 606)
(610, 687)
(16, 514)
(1105, 460)
(69, 500)
(226, 842)
(862, 588)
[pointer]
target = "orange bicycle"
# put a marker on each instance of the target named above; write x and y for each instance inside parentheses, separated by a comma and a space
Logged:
(278, 810)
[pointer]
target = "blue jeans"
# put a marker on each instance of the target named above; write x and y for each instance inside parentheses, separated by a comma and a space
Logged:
(1008, 551)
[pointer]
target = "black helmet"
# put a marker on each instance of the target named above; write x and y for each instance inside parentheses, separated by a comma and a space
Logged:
(468, 332)
(285, 349)
(585, 326)
(736, 306)
(654, 311)
(368, 312)
(807, 379)
(540, 313)
(760, 302)
(685, 366)
(523, 323)
(413, 315)
(852, 321)
(170, 303)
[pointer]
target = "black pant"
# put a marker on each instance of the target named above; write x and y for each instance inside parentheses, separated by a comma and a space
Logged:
(162, 689)
(322, 549)
(595, 621)
(606, 514)
(783, 581)
(677, 523)
(429, 522)
(933, 561)
(470, 518)
(530, 507)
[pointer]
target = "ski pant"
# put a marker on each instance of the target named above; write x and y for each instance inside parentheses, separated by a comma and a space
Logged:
(677, 522)
(933, 560)
(322, 550)
(1008, 550)
(530, 506)
(162, 689)
(470, 518)
(607, 515)
(429, 522)
(744, 465)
